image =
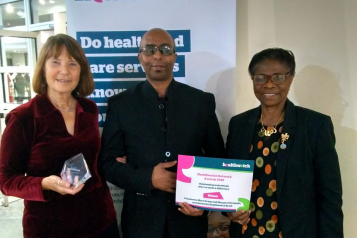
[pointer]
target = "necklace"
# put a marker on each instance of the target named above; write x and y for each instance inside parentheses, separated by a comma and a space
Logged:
(66, 110)
(272, 131)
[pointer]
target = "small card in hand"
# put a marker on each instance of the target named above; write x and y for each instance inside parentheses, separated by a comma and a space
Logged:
(75, 170)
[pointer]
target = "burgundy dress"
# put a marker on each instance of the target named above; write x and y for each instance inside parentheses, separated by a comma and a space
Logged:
(36, 143)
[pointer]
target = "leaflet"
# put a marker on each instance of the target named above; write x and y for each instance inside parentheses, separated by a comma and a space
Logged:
(214, 184)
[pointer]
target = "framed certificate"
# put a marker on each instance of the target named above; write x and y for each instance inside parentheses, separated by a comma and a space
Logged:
(214, 184)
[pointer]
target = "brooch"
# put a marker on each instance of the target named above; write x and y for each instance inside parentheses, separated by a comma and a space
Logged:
(284, 137)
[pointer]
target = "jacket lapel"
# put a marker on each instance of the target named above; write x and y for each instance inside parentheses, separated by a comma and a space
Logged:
(283, 154)
(175, 112)
(248, 133)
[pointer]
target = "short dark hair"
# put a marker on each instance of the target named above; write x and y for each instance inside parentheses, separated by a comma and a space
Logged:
(284, 56)
(53, 48)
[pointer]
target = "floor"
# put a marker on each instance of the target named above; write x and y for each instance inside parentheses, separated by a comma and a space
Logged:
(11, 217)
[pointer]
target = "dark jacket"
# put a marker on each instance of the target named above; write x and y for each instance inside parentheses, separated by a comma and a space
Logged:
(309, 190)
(133, 127)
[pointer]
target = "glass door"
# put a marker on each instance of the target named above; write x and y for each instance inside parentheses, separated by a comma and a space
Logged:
(17, 62)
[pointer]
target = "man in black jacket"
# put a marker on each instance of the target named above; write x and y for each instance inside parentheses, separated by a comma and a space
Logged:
(151, 124)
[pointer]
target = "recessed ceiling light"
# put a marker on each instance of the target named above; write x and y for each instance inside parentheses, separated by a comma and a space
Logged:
(51, 1)
(9, 8)
(42, 2)
(20, 13)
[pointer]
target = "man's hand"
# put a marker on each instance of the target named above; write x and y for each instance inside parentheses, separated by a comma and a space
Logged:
(163, 179)
(186, 209)
(241, 216)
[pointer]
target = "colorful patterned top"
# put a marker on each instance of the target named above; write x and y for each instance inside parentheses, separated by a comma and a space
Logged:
(264, 220)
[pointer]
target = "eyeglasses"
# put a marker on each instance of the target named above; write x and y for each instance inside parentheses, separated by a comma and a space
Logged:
(164, 49)
(221, 230)
(275, 78)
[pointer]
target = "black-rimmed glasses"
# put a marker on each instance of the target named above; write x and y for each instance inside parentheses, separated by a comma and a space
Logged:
(164, 49)
(275, 78)
(221, 230)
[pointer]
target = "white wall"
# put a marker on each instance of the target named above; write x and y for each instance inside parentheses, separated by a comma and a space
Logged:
(42, 38)
(60, 22)
(323, 36)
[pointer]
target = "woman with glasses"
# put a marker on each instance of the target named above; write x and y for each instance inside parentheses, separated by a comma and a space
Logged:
(296, 187)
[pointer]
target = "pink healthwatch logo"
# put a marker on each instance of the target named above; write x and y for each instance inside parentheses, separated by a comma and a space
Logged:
(98, 1)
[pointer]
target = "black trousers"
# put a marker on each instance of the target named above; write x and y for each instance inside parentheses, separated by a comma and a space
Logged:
(111, 232)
